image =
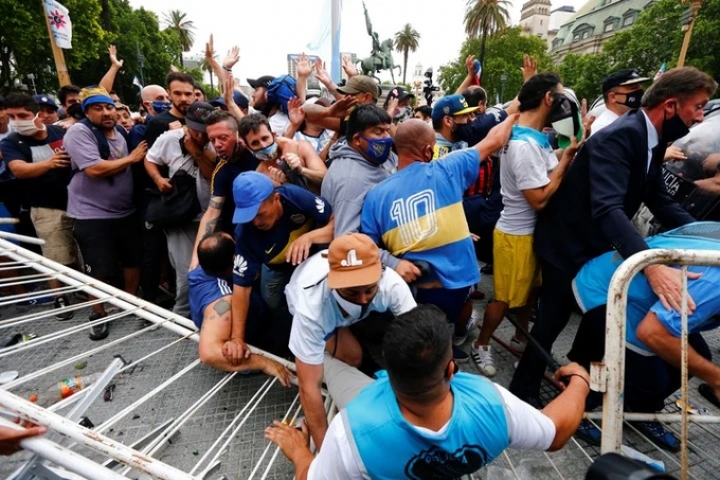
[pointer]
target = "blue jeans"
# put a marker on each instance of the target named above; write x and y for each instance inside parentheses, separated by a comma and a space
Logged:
(272, 287)
(450, 300)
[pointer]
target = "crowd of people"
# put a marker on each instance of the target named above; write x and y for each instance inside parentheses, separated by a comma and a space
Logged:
(310, 225)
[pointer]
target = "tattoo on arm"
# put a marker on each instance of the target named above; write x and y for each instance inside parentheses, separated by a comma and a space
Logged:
(217, 203)
(222, 307)
(211, 226)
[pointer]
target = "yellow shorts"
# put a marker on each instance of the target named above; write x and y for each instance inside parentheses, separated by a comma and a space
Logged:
(516, 271)
(56, 229)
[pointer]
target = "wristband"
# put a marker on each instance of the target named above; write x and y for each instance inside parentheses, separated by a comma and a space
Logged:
(580, 376)
(227, 69)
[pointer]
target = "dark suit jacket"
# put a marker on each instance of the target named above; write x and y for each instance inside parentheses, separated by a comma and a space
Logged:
(602, 190)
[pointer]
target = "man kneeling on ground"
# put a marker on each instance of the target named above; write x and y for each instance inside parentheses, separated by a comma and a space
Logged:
(422, 419)
(210, 305)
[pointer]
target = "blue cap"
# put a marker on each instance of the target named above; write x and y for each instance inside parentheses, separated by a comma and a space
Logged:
(46, 100)
(451, 105)
(250, 189)
(240, 100)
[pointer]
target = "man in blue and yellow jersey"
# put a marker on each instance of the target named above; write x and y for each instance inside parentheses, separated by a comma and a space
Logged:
(276, 230)
(417, 215)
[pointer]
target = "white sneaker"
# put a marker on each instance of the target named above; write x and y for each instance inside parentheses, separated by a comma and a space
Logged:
(482, 356)
(460, 339)
(517, 345)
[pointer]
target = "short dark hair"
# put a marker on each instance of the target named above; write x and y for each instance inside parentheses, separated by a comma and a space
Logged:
(533, 91)
(63, 92)
(215, 254)
(475, 95)
(425, 110)
(22, 100)
(417, 348)
(222, 116)
(198, 87)
(364, 117)
(179, 77)
(251, 123)
(680, 83)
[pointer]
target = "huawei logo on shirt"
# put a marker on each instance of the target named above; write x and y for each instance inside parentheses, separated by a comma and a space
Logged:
(239, 266)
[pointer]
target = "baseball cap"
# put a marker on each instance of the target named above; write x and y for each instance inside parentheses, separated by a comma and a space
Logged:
(46, 100)
(402, 94)
(95, 94)
(451, 105)
(250, 189)
(240, 100)
(263, 81)
(196, 115)
(622, 78)
(361, 84)
(354, 261)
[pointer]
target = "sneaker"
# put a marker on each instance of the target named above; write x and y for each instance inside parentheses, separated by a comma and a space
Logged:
(517, 345)
(460, 356)
(482, 356)
(589, 433)
(62, 302)
(101, 331)
(460, 339)
(657, 434)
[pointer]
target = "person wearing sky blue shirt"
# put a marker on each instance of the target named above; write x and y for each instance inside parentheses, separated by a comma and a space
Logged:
(417, 215)
(422, 419)
(653, 331)
(276, 230)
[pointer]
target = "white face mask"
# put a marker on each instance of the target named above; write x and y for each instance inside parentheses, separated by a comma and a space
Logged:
(353, 310)
(26, 128)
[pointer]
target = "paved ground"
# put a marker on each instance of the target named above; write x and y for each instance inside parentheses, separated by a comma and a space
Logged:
(248, 445)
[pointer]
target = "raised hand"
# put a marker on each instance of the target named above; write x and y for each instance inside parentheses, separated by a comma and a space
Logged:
(232, 57)
(529, 68)
(295, 112)
(210, 48)
(320, 73)
(304, 67)
(349, 67)
(229, 91)
(112, 51)
(340, 108)
(470, 64)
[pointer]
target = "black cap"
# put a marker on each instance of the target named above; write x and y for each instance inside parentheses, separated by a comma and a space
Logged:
(196, 115)
(239, 99)
(402, 94)
(263, 81)
(622, 78)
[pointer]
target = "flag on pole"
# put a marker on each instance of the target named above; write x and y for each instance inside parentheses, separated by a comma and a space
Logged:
(660, 72)
(59, 20)
(137, 83)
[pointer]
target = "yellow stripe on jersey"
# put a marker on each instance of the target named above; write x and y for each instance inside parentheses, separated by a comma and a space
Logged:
(280, 257)
(219, 165)
(442, 227)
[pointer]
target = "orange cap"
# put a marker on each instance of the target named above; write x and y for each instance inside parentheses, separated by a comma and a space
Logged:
(354, 261)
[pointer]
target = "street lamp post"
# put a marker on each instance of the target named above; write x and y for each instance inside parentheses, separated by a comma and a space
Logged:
(31, 77)
(141, 61)
(503, 80)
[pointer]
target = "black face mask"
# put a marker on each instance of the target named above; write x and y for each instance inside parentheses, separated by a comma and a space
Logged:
(633, 99)
(673, 128)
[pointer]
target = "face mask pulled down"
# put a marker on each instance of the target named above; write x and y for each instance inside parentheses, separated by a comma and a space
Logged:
(26, 128)
(267, 154)
(354, 310)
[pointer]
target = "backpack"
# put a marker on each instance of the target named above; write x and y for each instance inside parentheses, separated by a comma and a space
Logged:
(102, 141)
(281, 90)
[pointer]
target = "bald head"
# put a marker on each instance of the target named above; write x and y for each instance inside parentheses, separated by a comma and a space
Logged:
(412, 138)
(154, 93)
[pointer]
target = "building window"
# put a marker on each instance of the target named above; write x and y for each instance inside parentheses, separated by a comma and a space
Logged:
(576, 38)
(627, 21)
(608, 27)
(541, 23)
(585, 34)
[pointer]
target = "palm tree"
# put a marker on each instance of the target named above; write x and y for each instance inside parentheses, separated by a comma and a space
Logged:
(485, 17)
(406, 41)
(177, 20)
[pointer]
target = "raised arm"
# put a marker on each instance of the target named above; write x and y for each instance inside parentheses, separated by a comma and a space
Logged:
(208, 225)
(304, 69)
(496, 138)
(115, 65)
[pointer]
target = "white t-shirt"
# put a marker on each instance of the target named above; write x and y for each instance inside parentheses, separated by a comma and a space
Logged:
(279, 122)
(316, 315)
(529, 429)
(605, 119)
(166, 151)
(525, 164)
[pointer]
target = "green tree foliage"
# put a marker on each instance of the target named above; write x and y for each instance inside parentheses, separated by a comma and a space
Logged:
(657, 36)
(584, 73)
(183, 28)
(406, 40)
(505, 52)
(483, 18)
(25, 46)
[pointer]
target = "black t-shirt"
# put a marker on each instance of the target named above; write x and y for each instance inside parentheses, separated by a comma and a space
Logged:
(222, 182)
(48, 190)
(158, 125)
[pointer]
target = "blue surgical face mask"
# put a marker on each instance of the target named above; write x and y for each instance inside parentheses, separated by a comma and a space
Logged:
(267, 154)
(160, 107)
(378, 149)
